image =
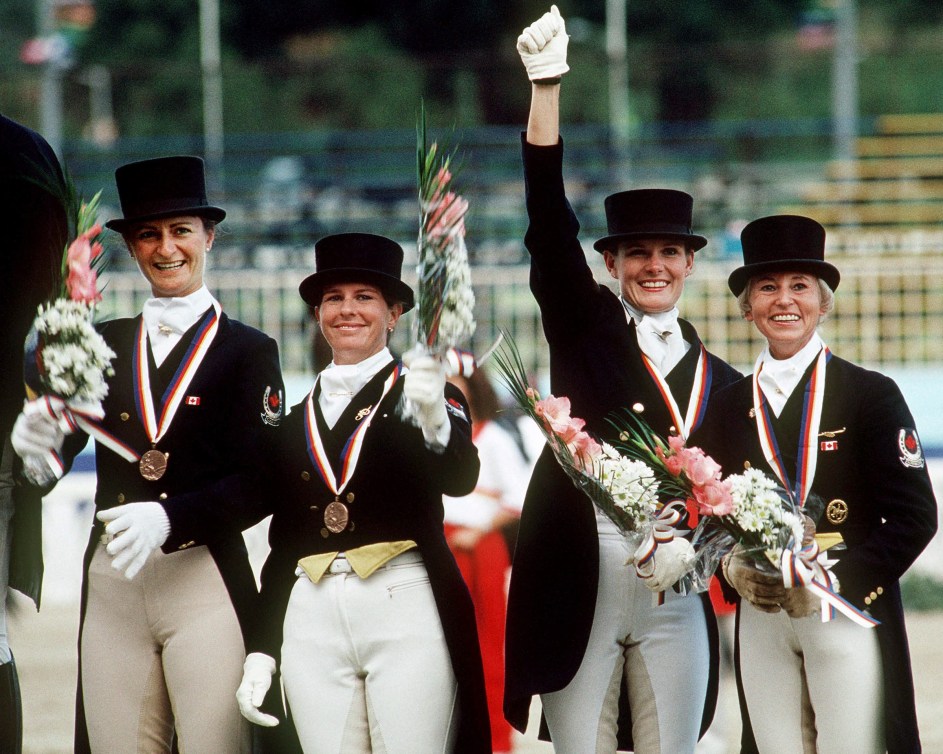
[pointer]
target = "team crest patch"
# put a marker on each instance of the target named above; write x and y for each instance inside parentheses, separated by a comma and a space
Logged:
(911, 454)
(455, 408)
(272, 408)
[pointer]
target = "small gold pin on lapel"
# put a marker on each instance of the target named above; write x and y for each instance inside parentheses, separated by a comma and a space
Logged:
(832, 433)
(363, 412)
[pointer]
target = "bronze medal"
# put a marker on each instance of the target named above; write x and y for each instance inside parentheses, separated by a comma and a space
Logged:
(152, 465)
(837, 511)
(336, 517)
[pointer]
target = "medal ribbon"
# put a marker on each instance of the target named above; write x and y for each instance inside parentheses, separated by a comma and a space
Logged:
(86, 418)
(807, 455)
(156, 427)
(351, 453)
(697, 402)
(806, 568)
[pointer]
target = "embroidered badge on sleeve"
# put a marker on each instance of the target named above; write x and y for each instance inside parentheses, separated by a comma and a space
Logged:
(272, 407)
(455, 408)
(911, 454)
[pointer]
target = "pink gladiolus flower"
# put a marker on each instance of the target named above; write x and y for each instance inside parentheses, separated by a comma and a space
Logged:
(673, 462)
(82, 281)
(555, 413)
(447, 217)
(699, 467)
(584, 450)
(713, 498)
(676, 443)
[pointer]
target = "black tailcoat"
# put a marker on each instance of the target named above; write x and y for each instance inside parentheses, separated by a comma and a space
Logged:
(596, 362)
(32, 189)
(398, 486)
(215, 445)
(891, 507)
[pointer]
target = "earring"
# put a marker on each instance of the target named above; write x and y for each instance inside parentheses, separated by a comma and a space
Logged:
(389, 330)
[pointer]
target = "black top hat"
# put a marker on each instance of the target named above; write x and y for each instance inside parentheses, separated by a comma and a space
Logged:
(783, 243)
(649, 213)
(162, 187)
(354, 257)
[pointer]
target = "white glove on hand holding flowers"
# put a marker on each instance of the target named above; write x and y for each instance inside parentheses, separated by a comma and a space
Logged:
(542, 47)
(257, 675)
(424, 389)
(35, 435)
(670, 561)
(138, 529)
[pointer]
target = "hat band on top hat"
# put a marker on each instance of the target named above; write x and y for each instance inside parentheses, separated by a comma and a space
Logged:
(655, 230)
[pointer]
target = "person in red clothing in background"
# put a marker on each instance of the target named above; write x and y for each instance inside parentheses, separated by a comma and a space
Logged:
(475, 527)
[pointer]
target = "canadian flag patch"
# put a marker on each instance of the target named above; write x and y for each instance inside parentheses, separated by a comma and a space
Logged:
(193, 400)
(828, 445)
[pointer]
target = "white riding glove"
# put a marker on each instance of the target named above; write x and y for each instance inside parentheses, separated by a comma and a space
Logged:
(35, 432)
(257, 675)
(669, 563)
(424, 388)
(35, 435)
(138, 529)
(542, 46)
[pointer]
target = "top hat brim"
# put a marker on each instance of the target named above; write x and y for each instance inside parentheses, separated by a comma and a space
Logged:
(695, 242)
(208, 211)
(394, 288)
(741, 276)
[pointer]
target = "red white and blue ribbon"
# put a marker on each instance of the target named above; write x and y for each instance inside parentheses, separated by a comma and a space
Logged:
(697, 401)
(809, 568)
(155, 425)
(72, 416)
(663, 530)
(351, 453)
(807, 455)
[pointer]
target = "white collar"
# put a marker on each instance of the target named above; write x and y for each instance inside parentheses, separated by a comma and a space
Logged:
(168, 318)
(663, 321)
(178, 314)
(780, 376)
(341, 382)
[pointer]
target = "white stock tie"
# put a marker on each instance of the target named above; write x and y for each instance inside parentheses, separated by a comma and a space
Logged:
(660, 339)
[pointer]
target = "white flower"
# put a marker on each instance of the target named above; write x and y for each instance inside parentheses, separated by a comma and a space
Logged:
(631, 483)
(75, 358)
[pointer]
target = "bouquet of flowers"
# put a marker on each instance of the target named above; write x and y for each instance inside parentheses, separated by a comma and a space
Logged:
(623, 489)
(626, 488)
(749, 511)
(445, 299)
(444, 296)
(66, 360)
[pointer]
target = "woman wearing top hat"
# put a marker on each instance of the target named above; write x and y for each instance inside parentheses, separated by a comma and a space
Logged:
(168, 590)
(807, 685)
(362, 600)
(581, 624)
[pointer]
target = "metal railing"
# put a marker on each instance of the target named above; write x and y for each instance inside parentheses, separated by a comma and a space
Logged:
(888, 311)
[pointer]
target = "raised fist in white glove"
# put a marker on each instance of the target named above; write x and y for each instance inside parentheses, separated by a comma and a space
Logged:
(669, 563)
(424, 388)
(257, 675)
(138, 529)
(542, 46)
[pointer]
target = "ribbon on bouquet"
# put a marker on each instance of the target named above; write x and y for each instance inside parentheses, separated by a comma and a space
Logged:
(805, 568)
(73, 416)
(662, 531)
